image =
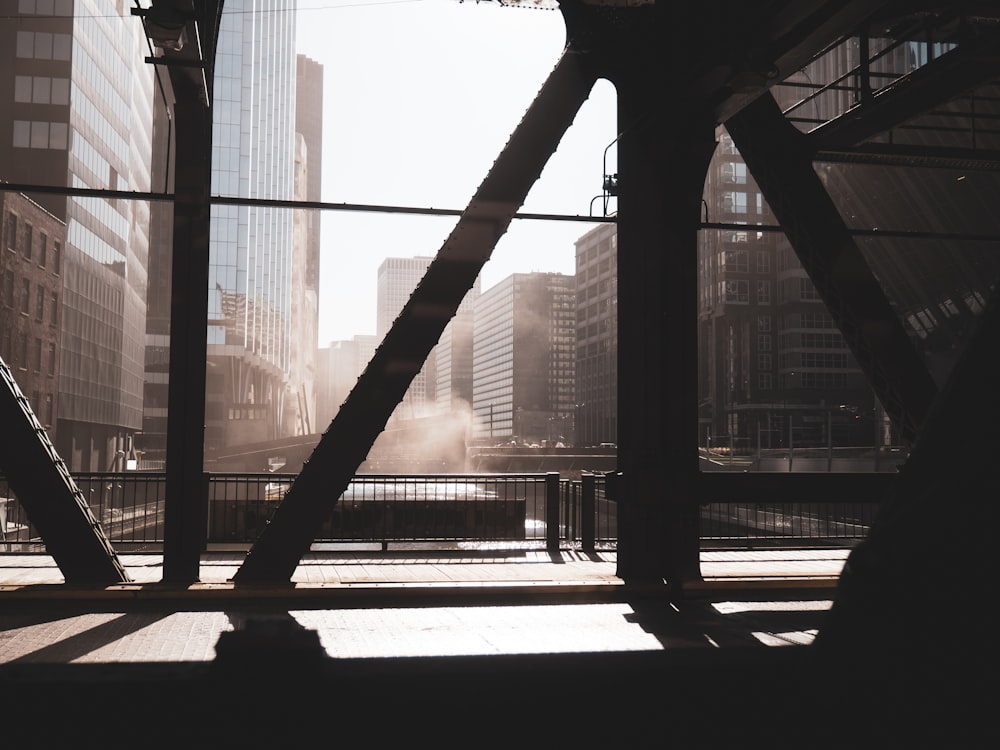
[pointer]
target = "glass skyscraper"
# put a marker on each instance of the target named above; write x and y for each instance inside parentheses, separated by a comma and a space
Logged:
(250, 281)
(78, 102)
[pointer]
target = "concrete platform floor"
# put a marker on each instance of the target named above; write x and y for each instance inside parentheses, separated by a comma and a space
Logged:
(486, 649)
(414, 603)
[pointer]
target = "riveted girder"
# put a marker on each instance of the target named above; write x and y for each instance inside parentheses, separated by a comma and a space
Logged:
(780, 159)
(47, 492)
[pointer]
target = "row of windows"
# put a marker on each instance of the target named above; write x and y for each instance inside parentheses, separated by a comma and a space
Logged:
(41, 90)
(27, 353)
(62, 8)
(813, 380)
(735, 202)
(44, 300)
(813, 340)
(738, 291)
(809, 320)
(737, 261)
(44, 255)
(41, 45)
(837, 360)
(41, 134)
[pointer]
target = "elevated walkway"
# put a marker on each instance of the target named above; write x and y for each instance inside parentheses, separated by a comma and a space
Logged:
(498, 648)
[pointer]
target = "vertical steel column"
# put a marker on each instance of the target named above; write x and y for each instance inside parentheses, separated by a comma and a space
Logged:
(663, 157)
(186, 499)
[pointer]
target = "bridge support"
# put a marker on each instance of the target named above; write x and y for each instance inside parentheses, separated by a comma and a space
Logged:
(662, 162)
(53, 502)
(780, 159)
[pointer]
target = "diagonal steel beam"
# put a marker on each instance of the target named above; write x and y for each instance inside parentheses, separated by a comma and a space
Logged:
(380, 388)
(973, 63)
(780, 160)
(48, 494)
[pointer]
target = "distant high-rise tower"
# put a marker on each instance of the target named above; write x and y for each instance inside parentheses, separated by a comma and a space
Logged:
(337, 371)
(251, 252)
(596, 416)
(300, 408)
(453, 358)
(78, 98)
(397, 278)
(771, 359)
(524, 338)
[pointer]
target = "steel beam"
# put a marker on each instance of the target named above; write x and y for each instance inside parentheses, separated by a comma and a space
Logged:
(54, 504)
(190, 68)
(186, 499)
(973, 63)
(780, 159)
(936, 532)
(662, 161)
(452, 273)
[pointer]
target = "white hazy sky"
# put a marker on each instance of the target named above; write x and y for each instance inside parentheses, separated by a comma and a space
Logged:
(420, 97)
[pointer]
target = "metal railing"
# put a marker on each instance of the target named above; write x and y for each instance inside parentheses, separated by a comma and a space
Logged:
(444, 510)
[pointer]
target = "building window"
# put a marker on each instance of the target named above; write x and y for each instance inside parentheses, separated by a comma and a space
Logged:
(36, 360)
(43, 249)
(735, 261)
(54, 318)
(734, 202)
(52, 359)
(40, 134)
(29, 240)
(56, 256)
(764, 362)
(763, 292)
(11, 231)
(40, 304)
(807, 291)
(736, 290)
(41, 90)
(764, 381)
(764, 342)
(42, 45)
(763, 261)
(764, 323)
(49, 409)
(8, 289)
(25, 295)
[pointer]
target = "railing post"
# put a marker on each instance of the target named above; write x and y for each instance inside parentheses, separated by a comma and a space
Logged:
(588, 510)
(203, 506)
(552, 511)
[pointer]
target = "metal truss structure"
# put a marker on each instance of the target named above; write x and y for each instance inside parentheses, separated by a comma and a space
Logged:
(681, 71)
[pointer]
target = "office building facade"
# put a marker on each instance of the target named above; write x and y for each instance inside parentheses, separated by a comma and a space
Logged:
(596, 406)
(31, 249)
(300, 410)
(338, 367)
(79, 99)
(453, 359)
(251, 255)
(524, 338)
(397, 278)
